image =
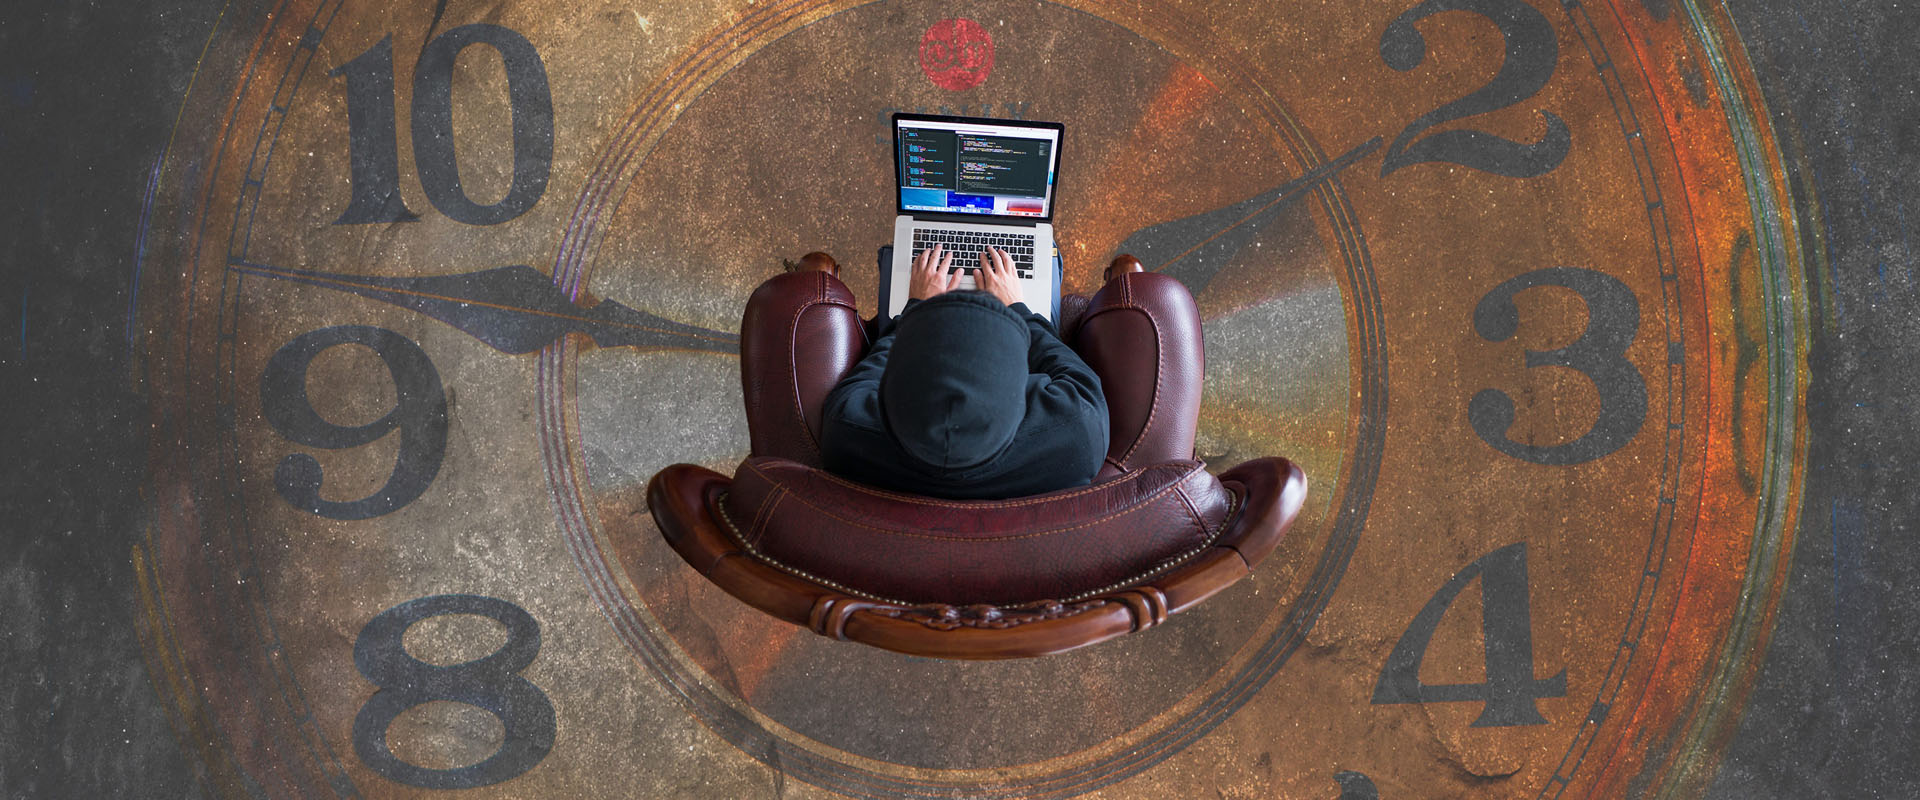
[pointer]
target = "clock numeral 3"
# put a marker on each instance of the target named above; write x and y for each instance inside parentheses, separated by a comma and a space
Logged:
(1532, 51)
(1506, 624)
(419, 412)
(492, 683)
(1613, 318)
(374, 142)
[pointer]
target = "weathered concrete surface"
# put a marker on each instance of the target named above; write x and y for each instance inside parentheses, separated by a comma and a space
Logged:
(89, 96)
(1833, 715)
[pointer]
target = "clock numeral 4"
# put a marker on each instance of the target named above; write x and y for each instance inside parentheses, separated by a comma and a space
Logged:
(492, 683)
(419, 413)
(1506, 624)
(374, 141)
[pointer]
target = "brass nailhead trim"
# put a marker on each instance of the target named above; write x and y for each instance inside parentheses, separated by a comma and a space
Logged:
(1233, 507)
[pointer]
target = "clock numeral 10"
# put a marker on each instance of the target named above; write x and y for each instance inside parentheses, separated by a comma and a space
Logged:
(1506, 623)
(374, 139)
(492, 683)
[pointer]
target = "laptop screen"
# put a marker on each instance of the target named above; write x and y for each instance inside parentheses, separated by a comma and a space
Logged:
(965, 165)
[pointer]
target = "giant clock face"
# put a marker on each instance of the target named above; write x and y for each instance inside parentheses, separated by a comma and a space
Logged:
(445, 284)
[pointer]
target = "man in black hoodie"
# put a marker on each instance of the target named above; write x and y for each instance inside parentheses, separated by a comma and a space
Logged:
(966, 395)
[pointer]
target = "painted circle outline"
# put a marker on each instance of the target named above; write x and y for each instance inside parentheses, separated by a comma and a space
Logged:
(603, 191)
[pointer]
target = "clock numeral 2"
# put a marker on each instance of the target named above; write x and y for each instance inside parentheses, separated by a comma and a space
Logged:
(1613, 318)
(419, 412)
(1532, 52)
(492, 683)
(374, 141)
(1506, 624)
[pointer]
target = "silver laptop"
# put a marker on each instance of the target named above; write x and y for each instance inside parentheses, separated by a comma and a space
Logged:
(969, 183)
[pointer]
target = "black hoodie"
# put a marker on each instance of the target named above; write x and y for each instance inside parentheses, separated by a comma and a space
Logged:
(963, 397)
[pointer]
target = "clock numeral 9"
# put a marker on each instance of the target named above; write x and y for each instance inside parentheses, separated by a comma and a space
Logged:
(1506, 624)
(492, 683)
(419, 412)
(374, 141)
(1532, 52)
(1613, 318)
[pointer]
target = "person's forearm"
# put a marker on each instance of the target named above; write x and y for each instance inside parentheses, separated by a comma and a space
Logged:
(1047, 355)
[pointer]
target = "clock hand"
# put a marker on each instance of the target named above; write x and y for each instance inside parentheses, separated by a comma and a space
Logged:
(514, 309)
(517, 309)
(1194, 249)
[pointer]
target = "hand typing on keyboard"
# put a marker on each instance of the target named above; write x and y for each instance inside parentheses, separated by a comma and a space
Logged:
(932, 274)
(998, 277)
(1018, 247)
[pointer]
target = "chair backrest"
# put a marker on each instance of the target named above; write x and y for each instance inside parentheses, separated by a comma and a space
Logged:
(1067, 544)
(975, 579)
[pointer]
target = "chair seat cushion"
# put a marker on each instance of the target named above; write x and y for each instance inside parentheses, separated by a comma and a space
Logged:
(900, 548)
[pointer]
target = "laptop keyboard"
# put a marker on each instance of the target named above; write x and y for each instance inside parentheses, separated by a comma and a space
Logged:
(966, 247)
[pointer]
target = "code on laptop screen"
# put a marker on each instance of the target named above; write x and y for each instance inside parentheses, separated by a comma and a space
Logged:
(965, 168)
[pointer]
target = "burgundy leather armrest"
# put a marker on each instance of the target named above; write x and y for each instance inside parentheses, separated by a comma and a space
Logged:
(799, 335)
(1141, 334)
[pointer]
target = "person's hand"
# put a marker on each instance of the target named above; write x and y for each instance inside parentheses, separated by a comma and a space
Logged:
(930, 274)
(997, 276)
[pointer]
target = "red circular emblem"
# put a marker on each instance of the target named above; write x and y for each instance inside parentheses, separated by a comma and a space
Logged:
(956, 53)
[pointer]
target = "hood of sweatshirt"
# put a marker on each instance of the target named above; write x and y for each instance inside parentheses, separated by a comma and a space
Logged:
(954, 388)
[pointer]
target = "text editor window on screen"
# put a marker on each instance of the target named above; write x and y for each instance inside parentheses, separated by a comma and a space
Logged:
(1002, 165)
(975, 163)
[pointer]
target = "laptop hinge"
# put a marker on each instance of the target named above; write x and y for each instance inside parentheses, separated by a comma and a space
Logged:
(974, 219)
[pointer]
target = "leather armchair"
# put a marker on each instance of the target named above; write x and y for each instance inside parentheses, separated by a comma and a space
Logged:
(1154, 534)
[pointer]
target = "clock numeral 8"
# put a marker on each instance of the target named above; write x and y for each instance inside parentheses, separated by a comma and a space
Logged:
(374, 142)
(419, 412)
(492, 683)
(1506, 623)
(1613, 318)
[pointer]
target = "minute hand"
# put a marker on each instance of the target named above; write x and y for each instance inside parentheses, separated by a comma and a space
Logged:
(1194, 249)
